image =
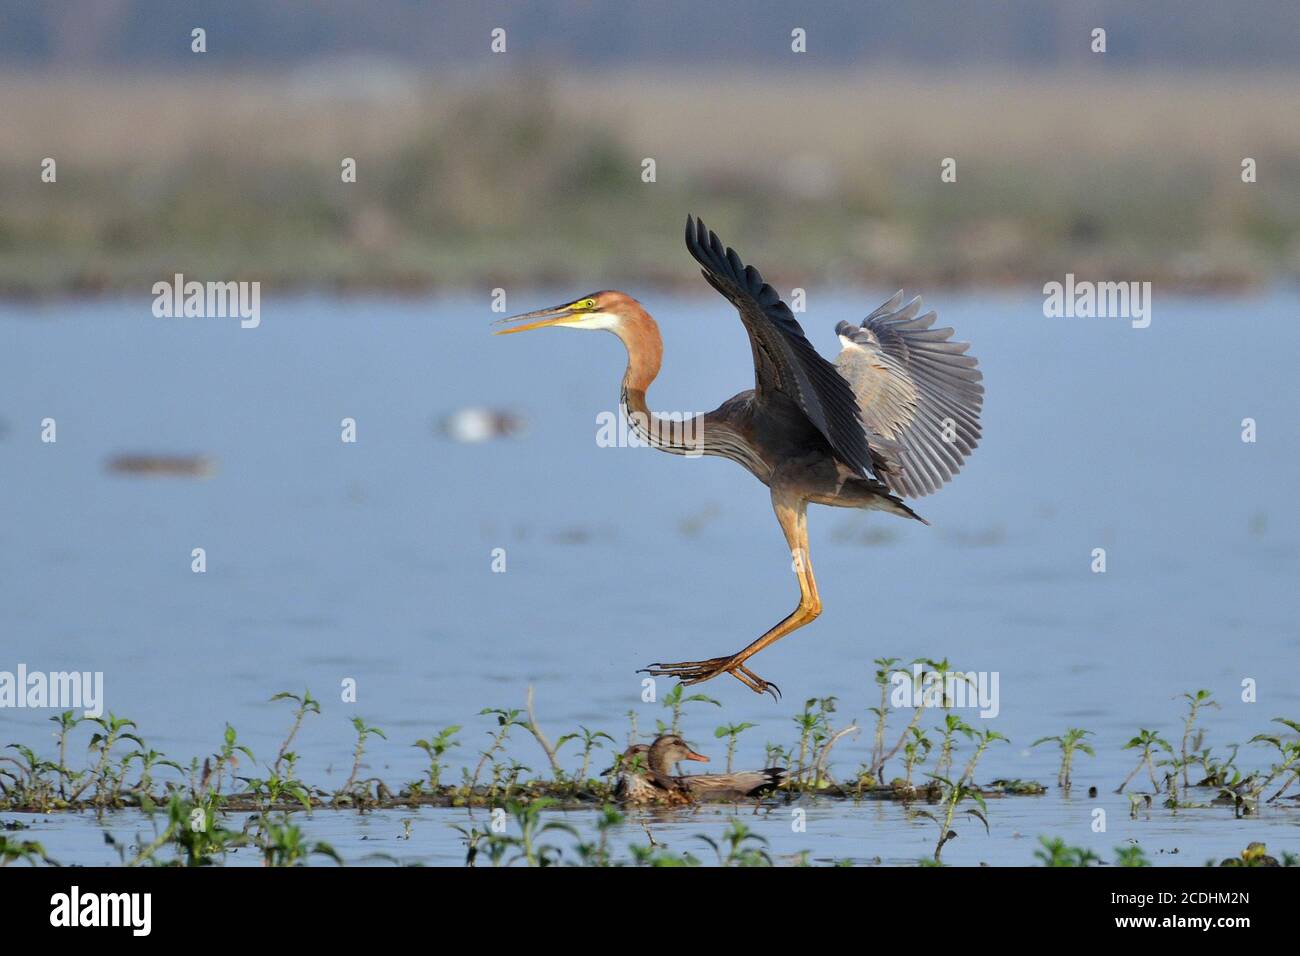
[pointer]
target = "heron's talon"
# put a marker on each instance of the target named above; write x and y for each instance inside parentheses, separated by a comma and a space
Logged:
(697, 672)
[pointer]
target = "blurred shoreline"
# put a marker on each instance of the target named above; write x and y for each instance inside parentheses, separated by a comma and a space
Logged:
(484, 181)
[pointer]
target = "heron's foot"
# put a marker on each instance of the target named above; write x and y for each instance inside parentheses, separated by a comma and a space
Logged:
(696, 672)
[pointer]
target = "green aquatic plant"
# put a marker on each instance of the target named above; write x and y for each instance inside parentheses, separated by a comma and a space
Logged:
(1256, 854)
(228, 756)
(885, 669)
(1288, 765)
(739, 846)
(358, 752)
(597, 854)
(148, 760)
(1069, 742)
(814, 728)
(1195, 702)
(1149, 742)
(732, 732)
(915, 752)
(506, 718)
(283, 844)
(591, 741)
(1131, 856)
(192, 829)
(274, 789)
(67, 722)
(435, 748)
(306, 704)
(951, 794)
(22, 851)
(675, 700)
(1055, 852)
(952, 725)
(112, 730)
(31, 788)
(920, 680)
(528, 846)
(985, 738)
(1136, 802)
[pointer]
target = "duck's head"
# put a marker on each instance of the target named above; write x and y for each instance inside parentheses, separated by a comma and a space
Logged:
(667, 749)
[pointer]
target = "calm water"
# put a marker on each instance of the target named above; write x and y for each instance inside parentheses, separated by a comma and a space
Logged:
(373, 561)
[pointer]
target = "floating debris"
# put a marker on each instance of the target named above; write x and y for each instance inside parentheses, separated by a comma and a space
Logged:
(478, 424)
(179, 466)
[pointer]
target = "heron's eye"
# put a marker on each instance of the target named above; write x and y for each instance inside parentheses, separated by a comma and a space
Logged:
(588, 303)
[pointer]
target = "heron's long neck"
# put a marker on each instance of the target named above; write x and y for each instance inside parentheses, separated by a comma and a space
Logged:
(645, 350)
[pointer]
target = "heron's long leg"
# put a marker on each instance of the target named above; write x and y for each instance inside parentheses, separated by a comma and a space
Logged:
(792, 513)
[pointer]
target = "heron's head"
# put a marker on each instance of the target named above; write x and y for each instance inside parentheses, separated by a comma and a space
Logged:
(598, 310)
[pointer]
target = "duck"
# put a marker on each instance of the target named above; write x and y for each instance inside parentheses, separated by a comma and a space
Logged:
(645, 776)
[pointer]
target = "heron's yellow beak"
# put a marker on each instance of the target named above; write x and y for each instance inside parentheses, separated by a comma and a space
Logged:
(556, 315)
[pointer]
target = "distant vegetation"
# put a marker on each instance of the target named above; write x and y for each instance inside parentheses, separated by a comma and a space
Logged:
(829, 178)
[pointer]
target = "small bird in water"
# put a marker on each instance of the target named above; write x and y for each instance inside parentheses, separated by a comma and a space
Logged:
(645, 776)
(895, 416)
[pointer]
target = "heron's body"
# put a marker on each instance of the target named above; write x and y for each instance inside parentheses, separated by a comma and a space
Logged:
(895, 415)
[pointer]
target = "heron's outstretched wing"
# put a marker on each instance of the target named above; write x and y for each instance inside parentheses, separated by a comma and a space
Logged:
(784, 360)
(915, 388)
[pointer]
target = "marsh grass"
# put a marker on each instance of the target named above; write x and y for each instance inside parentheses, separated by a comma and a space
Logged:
(190, 806)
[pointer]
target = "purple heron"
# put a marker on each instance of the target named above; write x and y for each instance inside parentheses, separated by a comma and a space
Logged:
(894, 416)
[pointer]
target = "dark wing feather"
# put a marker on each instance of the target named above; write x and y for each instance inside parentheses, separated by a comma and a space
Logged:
(784, 360)
(915, 388)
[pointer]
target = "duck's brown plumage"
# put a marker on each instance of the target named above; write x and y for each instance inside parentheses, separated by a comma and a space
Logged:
(646, 777)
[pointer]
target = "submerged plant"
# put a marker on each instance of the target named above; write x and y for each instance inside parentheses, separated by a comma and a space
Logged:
(814, 727)
(505, 720)
(306, 704)
(1202, 698)
(282, 844)
(731, 732)
(591, 740)
(1055, 852)
(952, 725)
(67, 722)
(1288, 766)
(22, 851)
(952, 795)
(885, 669)
(436, 748)
(674, 700)
(1149, 742)
(914, 752)
(528, 847)
(1069, 742)
(985, 738)
(362, 733)
(742, 846)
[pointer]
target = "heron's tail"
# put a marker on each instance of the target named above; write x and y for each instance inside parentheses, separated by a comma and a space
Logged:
(899, 507)
(886, 501)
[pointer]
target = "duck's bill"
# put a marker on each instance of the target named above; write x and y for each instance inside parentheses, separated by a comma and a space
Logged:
(556, 315)
(697, 757)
